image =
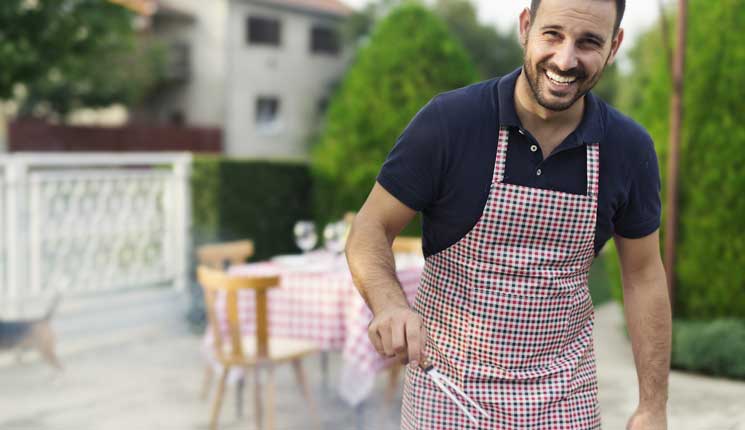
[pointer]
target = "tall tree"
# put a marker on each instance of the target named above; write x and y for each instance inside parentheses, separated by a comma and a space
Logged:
(711, 244)
(410, 57)
(493, 52)
(59, 55)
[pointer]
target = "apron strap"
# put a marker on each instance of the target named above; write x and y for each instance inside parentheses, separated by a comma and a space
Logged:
(504, 136)
(593, 169)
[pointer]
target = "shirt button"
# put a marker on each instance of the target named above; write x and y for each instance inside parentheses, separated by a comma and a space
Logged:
(533, 148)
(539, 172)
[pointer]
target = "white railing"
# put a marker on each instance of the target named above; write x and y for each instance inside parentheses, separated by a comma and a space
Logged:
(82, 222)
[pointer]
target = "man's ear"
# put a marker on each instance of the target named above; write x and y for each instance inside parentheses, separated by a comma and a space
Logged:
(525, 24)
(615, 44)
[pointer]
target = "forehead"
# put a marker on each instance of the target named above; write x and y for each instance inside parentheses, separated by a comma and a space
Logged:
(578, 16)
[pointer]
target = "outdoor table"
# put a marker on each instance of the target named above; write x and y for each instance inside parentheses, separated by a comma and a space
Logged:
(317, 301)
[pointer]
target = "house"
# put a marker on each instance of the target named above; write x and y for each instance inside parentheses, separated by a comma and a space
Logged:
(260, 70)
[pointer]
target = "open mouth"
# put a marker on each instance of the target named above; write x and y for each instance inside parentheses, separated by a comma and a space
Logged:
(561, 81)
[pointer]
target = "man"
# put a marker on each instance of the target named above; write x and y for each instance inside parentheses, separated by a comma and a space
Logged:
(521, 180)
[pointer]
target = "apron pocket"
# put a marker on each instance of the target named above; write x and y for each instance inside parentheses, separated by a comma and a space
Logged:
(516, 333)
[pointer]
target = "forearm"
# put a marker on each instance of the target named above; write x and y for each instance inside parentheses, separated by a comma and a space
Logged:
(648, 317)
(373, 267)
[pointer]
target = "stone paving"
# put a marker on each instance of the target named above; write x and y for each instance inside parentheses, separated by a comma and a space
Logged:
(153, 382)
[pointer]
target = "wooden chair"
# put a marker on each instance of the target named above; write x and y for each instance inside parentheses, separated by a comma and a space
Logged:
(218, 255)
(259, 352)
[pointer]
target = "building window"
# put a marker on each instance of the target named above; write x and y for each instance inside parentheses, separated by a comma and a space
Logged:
(267, 114)
(263, 31)
(324, 40)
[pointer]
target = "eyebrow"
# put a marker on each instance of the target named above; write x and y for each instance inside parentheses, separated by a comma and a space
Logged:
(587, 35)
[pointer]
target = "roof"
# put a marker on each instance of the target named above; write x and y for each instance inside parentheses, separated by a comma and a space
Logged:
(170, 8)
(331, 7)
(141, 7)
(151, 7)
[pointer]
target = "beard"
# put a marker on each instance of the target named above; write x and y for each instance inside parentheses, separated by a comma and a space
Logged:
(554, 100)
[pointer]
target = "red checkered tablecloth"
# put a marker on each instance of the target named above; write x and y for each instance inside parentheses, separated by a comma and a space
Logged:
(317, 301)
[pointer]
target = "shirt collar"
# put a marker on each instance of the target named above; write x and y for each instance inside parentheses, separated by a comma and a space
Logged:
(591, 129)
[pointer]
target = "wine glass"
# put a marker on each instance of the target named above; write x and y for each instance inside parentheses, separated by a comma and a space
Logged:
(334, 236)
(305, 235)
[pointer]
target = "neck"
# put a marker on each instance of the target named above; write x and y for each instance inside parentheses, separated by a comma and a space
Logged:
(533, 116)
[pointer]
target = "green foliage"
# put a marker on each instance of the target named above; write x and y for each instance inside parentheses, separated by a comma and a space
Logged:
(259, 200)
(607, 87)
(599, 282)
(712, 347)
(613, 269)
(410, 58)
(494, 53)
(205, 185)
(69, 54)
(711, 246)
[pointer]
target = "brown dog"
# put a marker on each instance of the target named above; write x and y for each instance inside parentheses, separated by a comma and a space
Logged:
(37, 333)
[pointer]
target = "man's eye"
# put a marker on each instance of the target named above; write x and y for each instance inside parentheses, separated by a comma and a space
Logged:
(551, 34)
(593, 43)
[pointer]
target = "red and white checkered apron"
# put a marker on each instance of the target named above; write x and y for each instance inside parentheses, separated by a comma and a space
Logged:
(509, 313)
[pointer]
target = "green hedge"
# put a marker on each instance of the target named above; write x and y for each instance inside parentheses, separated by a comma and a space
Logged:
(255, 199)
(410, 57)
(711, 347)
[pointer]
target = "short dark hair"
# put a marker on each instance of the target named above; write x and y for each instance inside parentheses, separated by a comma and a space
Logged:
(620, 10)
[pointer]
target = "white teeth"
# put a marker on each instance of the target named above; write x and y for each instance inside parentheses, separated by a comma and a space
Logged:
(558, 78)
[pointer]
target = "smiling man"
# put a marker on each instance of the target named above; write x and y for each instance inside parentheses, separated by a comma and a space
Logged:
(520, 180)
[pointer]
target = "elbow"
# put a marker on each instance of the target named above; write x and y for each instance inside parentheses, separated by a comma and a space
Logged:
(650, 279)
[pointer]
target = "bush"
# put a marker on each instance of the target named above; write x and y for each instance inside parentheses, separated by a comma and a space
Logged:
(711, 246)
(410, 58)
(261, 200)
(712, 347)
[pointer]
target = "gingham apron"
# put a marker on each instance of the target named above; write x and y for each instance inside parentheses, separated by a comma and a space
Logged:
(509, 314)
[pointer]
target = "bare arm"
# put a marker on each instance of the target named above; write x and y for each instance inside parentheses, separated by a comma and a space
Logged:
(649, 320)
(395, 329)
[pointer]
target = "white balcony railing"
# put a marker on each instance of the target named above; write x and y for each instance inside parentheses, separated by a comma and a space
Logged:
(87, 222)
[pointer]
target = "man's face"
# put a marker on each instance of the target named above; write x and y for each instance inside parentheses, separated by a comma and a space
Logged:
(567, 47)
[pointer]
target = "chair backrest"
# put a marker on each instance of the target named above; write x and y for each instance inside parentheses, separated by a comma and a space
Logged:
(218, 255)
(407, 245)
(216, 281)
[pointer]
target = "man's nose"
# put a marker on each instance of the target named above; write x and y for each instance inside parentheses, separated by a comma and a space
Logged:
(565, 58)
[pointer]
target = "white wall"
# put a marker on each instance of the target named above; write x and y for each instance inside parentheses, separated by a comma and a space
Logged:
(291, 72)
(202, 98)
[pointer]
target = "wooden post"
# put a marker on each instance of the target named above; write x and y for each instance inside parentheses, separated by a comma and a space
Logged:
(676, 115)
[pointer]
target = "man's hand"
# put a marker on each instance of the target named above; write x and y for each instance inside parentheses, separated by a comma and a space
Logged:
(648, 420)
(398, 332)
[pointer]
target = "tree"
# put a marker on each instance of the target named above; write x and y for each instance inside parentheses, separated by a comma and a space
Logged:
(59, 55)
(410, 57)
(711, 245)
(494, 53)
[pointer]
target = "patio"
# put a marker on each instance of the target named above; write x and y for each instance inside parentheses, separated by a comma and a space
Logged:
(147, 374)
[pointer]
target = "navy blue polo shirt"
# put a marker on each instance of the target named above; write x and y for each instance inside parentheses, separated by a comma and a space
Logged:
(442, 163)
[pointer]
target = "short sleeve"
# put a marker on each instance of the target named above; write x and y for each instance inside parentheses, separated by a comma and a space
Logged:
(412, 170)
(641, 214)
